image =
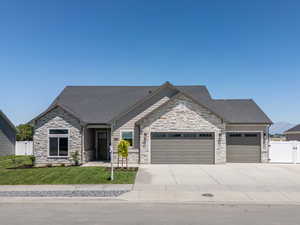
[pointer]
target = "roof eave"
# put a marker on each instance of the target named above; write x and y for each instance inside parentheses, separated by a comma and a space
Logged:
(8, 121)
(55, 106)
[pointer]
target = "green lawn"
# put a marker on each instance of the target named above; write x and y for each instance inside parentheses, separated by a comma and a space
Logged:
(60, 175)
(14, 161)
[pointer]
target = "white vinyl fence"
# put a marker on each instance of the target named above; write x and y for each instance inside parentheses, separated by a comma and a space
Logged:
(24, 148)
(284, 152)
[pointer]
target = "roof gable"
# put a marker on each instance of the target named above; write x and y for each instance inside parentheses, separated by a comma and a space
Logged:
(102, 104)
(180, 93)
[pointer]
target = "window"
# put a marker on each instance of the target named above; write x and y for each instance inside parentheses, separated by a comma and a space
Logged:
(158, 135)
(250, 135)
(58, 142)
(174, 134)
(127, 136)
(190, 135)
(58, 131)
(205, 135)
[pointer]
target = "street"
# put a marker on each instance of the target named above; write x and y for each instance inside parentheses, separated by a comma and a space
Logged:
(108, 213)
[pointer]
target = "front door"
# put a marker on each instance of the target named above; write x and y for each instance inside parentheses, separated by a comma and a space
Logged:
(102, 146)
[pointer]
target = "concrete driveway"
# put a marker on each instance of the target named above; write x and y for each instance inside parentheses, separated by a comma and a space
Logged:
(227, 177)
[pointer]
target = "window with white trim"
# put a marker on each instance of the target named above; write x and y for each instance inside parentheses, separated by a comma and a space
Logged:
(58, 142)
(127, 136)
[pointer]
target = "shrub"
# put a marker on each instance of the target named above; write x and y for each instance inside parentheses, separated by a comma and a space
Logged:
(32, 158)
(75, 158)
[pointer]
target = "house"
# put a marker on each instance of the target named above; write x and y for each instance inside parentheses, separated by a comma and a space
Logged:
(7, 136)
(163, 124)
(293, 134)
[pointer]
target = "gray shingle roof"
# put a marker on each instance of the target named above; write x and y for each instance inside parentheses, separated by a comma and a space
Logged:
(294, 129)
(8, 122)
(101, 104)
(239, 111)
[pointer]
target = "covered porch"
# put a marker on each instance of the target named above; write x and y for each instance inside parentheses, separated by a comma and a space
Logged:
(97, 139)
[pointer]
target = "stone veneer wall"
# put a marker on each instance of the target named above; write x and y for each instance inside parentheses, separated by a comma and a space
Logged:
(182, 114)
(56, 118)
(133, 156)
(259, 128)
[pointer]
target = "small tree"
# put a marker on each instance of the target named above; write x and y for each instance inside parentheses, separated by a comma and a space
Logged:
(24, 132)
(123, 151)
(75, 158)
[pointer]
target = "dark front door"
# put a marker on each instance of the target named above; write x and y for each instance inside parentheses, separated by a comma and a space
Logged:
(102, 146)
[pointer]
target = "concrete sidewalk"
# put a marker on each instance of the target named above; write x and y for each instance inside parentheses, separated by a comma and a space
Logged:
(213, 197)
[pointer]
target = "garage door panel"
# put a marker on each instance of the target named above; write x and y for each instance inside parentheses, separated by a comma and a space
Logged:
(243, 153)
(182, 150)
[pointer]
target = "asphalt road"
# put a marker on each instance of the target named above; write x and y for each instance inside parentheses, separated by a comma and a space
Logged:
(108, 213)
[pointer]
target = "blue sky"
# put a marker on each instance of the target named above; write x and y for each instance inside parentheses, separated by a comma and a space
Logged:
(239, 49)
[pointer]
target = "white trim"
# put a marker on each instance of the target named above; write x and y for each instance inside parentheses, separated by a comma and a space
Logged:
(58, 136)
(128, 130)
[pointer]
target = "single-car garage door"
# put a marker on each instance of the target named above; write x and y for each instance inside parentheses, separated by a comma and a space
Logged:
(182, 148)
(243, 147)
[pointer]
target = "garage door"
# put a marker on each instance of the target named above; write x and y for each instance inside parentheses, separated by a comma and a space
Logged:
(243, 147)
(182, 148)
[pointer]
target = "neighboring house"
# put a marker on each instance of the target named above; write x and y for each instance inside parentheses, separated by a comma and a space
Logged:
(7, 136)
(293, 134)
(164, 124)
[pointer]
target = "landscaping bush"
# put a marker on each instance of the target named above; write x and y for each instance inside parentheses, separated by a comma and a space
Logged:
(75, 158)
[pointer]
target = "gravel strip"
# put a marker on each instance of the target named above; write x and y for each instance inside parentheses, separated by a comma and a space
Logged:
(107, 193)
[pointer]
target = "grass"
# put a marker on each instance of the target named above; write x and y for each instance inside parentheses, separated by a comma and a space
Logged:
(14, 161)
(59, 175)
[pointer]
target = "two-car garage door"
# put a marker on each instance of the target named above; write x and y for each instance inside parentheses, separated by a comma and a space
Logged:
(198, 148)
(182, 148)
(243, 147)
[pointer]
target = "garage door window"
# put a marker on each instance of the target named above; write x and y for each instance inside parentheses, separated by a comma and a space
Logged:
(186, 135)
(250, 135)
(243, 139)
